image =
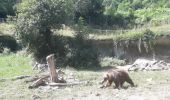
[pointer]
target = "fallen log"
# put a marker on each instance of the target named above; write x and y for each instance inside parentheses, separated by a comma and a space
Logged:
(68, 84)
(40, 81)
(20, 77)
(32, 79)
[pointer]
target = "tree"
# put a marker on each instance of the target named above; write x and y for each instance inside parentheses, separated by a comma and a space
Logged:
(89, 10)
(37, 18)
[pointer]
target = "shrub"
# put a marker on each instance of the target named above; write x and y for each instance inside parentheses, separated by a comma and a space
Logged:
(110, 61)
(7, 41)
(83, 53)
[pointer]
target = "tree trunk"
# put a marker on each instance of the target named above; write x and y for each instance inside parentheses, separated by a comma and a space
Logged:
(52, 69)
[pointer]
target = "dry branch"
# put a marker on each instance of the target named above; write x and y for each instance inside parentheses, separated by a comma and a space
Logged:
(40, 81)
(20, 77)
(32, 79)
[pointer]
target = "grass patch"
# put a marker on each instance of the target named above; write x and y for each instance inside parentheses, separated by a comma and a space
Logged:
(118, 35)
(110, 61)
(14, 65)
(128, 36)
(7, 29)
(151, 83)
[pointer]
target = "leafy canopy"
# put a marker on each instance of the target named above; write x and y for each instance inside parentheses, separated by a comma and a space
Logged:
(37, 18)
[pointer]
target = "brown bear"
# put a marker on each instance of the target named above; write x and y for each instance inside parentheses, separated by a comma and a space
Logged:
(118, 76)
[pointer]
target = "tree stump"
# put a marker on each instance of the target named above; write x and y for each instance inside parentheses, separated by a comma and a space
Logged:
(52, 69)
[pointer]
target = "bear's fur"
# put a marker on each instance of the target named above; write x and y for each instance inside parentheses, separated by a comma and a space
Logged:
(118, 76)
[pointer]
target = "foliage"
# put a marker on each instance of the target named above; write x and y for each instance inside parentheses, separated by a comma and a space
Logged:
(155, 15)
(145, 36)
(83, 53)
(90, 10)
(110, 61)
(121, 13)
(7, 41)
(36, 19)
(136, 11)
(6, 8)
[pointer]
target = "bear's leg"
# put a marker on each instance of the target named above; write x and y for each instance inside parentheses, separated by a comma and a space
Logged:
(109, 83)
(117, 84)
(129, 80)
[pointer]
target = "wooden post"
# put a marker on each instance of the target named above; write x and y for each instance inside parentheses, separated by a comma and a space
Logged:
(52, 69)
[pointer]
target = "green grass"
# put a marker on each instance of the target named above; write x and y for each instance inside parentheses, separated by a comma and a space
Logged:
(130, 34)
(13, 65)
(149, 84)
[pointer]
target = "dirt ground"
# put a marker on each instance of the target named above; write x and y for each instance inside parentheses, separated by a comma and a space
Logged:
(151, 85)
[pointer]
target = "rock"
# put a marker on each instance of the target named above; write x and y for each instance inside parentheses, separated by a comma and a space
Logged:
(148, 65)
(35, 97)
(98, 94)
(2, 80)
(45, 88)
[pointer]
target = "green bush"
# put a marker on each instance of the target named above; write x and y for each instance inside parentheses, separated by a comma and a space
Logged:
(8, 42)
(110, 61)
(82, 53)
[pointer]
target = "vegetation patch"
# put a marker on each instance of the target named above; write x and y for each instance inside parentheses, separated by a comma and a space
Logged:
(7, 29)
(110, 61)
(14, 65)
(7, 41)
